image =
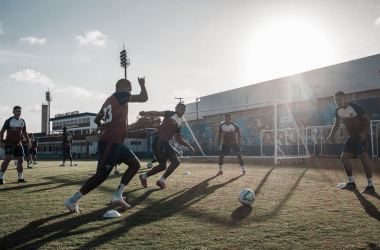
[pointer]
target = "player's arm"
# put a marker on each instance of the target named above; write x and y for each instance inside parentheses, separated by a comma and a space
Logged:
(143, 96)
(334, 129)
(179, 139)
(239, 137)
(367, 122)
(2, 131)
(219, 137)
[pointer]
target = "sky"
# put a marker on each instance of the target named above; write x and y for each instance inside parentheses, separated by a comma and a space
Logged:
(184, 48)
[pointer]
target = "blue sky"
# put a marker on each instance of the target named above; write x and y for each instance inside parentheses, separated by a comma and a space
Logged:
(183, 48)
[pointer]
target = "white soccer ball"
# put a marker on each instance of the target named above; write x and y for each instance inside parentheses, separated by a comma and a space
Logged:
(246, 197)
(187, 157)
(180, 153)
(149, 165)
(15, 162)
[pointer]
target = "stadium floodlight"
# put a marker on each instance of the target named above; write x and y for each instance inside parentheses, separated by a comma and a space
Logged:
(124, 61)
(48, 96)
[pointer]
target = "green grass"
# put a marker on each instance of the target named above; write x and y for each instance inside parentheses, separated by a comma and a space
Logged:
(296, 207)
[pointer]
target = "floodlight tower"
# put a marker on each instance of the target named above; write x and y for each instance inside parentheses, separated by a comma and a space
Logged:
(48, 99)
(124, 61)
(180, 99)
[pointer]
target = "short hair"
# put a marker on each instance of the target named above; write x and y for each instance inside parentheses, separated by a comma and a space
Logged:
(16, 107)
(64, 128)
(123, 82)
(340, 93)
(181, 104)
(227, 115)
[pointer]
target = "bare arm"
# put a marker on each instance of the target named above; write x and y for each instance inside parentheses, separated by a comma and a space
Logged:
(239, 137)
(98, 119)
(143, 96)
(179, 139)
(334, 129)
(367, 122)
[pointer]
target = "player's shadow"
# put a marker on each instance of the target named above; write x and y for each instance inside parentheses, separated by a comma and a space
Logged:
(160, 210)
(369, 208)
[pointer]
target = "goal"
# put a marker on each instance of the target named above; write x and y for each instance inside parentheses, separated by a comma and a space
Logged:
(267, 130)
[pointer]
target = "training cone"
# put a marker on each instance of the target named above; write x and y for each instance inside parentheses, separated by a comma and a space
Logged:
(111, 214)
(186, 172)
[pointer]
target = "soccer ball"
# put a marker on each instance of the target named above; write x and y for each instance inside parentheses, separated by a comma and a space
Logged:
(246, 197)
(149, 165)
(15, 162)
(187, 157)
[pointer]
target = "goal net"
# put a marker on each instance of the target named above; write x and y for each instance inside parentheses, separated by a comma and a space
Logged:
(267, 130)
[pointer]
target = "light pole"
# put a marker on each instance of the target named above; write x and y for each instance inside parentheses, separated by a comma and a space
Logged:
(180, 99)
(48, 99)
(124, 61)
(197, 100)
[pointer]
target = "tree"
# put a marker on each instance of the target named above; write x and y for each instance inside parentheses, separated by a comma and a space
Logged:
(145, 122)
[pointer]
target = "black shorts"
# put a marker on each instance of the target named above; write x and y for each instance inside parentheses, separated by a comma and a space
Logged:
(227, 148)
(16, 151)
(162, 150)
(26, 150)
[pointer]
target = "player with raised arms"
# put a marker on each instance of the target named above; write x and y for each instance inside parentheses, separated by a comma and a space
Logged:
(112, 150)
(229, 131)
(67, 144)
(15, 127)
(162, 150)
(357, 123)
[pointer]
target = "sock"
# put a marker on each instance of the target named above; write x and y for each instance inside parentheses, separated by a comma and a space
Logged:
(144, 176)
(76, 197)
(20, 176)
(1, 175)
(243, 168)
(63, 163)
(119, 191)
(115, 168)
(351, 179)
(220, 167)
(28, 164)
(162, 179)
(71, 163)
(369, 182)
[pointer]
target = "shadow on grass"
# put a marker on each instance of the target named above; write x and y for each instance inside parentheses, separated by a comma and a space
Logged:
(36, 234)
(369, 208)
(241, 213)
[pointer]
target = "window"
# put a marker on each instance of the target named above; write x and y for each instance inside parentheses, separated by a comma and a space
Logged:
(87, 120)
(71, 122)
(135, 143)
(74, 121)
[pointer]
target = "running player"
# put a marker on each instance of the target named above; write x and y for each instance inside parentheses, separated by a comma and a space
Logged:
(112, 150)
(33, 148)
(66, 146)
(229, 131)
(15, 127)
(357, 123)
(26, 146)
(171, 125)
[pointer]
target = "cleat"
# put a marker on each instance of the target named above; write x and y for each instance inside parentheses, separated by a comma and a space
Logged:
(368, 190)
(119, 202)
(2, 182)
(29, 167)
(347, 185)
(219, 173)
(244, 172)
(73, 208)
(71, 164)
(143, 181)
(161, 184)
(117, 172)
(22, 180)
(62, 165)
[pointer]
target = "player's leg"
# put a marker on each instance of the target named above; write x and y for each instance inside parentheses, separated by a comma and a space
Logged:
(19, 155)
(70, 156)
(363, 155)
(4, 165)
(223, 152)
(237, 152)
(108, 153)
(63, 156)
(349, 148)
(34, 156)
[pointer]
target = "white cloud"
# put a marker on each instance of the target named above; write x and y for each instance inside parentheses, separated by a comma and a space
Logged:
(5, 109)
(92, 37)
(1, 29)
(35, 109)
(33, 40)
(186, 93)
(377, 21)
(85, 58)
(32, 76)
(102, 96)
(77, 91)
(168, 107)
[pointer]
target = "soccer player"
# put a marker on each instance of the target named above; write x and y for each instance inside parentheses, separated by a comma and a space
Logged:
(26, 146)
(15, 127)
(33, 148)
(66, 146)
(229, 131)
(162, 150)
(357, 123)
(112, 150)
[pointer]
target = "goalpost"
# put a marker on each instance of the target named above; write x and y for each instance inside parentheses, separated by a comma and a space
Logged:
(267, 130)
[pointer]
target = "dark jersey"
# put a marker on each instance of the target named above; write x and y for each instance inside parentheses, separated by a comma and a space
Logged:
(169, 126)
(115, 111)
(15, 129)
(34, 144)
(67, 141)
(229, 133)
(351, 117)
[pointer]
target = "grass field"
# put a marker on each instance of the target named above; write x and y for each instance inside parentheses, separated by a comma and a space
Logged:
(296, 207)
